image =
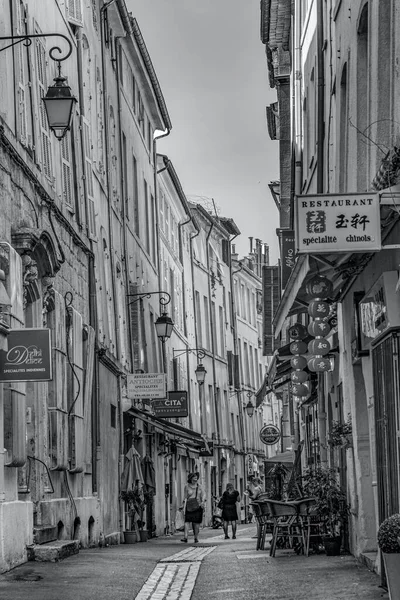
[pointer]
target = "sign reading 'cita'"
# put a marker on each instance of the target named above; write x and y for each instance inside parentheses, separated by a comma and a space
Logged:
(174, 405)
(338, 223)
(28, 357)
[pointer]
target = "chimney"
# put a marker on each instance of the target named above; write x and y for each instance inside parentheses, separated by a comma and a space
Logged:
(251, 245)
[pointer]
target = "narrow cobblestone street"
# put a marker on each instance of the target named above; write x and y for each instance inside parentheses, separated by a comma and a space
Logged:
(162, 569)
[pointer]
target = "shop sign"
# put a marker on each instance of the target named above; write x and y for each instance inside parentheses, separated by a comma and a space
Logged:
(175, 405)
(28, 357)
(288, 256)
(250, 465)
(146, 385)
(207, 450)
(338, 223)
(270, 434)
(379, 310)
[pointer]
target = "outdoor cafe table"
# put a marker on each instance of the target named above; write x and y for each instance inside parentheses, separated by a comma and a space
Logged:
(291, 521)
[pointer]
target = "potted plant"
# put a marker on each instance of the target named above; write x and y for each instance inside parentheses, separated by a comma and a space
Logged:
(340, 434)
(331, 507)
(389, 543)
(134, 500)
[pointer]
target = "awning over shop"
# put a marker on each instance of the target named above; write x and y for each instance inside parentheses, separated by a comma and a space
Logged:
(286, 458)
(190, 437)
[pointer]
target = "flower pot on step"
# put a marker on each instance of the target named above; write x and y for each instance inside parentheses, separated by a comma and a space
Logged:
(143, 536)
(130, 537)
(332, 545)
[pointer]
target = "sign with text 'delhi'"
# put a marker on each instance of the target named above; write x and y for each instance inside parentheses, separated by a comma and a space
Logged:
(28, 357)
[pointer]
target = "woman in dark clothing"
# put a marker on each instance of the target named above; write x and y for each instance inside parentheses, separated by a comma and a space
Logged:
(229, 511)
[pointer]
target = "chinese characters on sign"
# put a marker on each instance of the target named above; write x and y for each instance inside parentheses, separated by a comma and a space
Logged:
(338, 223)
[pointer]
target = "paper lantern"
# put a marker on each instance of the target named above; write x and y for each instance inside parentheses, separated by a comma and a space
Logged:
(319, 287)
(299, 376)
(318, 309)
(319, 364)
(319, 346)
(298, 362)
(298, 348)
(319, 328)
(299, 389)
(297, 332)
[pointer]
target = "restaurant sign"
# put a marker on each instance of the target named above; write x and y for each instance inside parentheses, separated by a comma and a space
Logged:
(338, 223)
(270, 434)
(175, 405)
(146, 385)
(28, 357)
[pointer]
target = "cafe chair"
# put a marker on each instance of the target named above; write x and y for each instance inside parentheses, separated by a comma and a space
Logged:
(287, 525)
(262, 518)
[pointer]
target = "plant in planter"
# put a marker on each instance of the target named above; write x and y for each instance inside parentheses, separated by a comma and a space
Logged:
(340, 434)
(389, 543)
(331, 507)
(135, 502)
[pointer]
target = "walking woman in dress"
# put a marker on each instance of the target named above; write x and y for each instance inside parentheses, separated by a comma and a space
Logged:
(229, 510)
(194, 498)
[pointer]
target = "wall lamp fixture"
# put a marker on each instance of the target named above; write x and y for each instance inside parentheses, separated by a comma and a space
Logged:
(58, 101)
(164, 324)
(200, 371)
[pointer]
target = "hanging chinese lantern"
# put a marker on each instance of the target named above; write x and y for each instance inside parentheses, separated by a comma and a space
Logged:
(298, 347)
(298, 376)
(319, 347)
(319, 328)
(319, 287)
(299, 389)
(319, 364)
(318, 309)
(298, 362)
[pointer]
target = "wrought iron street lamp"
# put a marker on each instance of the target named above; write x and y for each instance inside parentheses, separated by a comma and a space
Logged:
(249, 408)
(59, 101)
(164, 324)
(200, 371)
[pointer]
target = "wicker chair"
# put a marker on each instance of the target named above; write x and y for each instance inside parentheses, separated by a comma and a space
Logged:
(263, 523)
(287, 524)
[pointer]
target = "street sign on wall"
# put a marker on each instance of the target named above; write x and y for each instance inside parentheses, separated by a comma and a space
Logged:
(270, 434)
(146, 385)
(28, 357)
(338, 223)
(175, 405)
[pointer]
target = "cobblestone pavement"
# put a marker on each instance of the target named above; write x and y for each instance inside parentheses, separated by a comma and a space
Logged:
(174, 577)
(166, 569)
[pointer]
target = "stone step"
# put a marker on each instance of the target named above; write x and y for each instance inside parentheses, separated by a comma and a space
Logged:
(53, 551)
(44, 533)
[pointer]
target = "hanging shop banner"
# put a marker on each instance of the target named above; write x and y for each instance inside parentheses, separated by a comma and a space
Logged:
(175, 405)
(28, 357)
(146, 385)
(338, 223)
(207, 450)
(288, 253)
(270, 434)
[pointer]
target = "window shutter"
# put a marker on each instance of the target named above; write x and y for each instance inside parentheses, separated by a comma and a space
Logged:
(271, 298)
(88, 367)
(20, 50)
(89, 178)
(75, 391)
(67, 181)
(74, 12)
(43, 123)
(57, 390)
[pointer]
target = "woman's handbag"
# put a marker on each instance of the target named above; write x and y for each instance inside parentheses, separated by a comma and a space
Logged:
(192, 504)
(179, 520)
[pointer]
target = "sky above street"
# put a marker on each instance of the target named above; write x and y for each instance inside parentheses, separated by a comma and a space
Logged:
(213, 73)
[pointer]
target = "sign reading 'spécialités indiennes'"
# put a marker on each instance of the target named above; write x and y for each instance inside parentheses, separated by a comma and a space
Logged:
(28, 357)
(337, 223)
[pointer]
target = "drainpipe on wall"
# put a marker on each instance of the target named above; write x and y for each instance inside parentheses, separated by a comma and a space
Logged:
(217, 414)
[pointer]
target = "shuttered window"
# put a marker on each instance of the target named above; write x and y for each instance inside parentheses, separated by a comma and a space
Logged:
(271, 297)
(43, 123)
(75, 390)
(21, 75)
(74, 12)
(67, 180)
(89, 178)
